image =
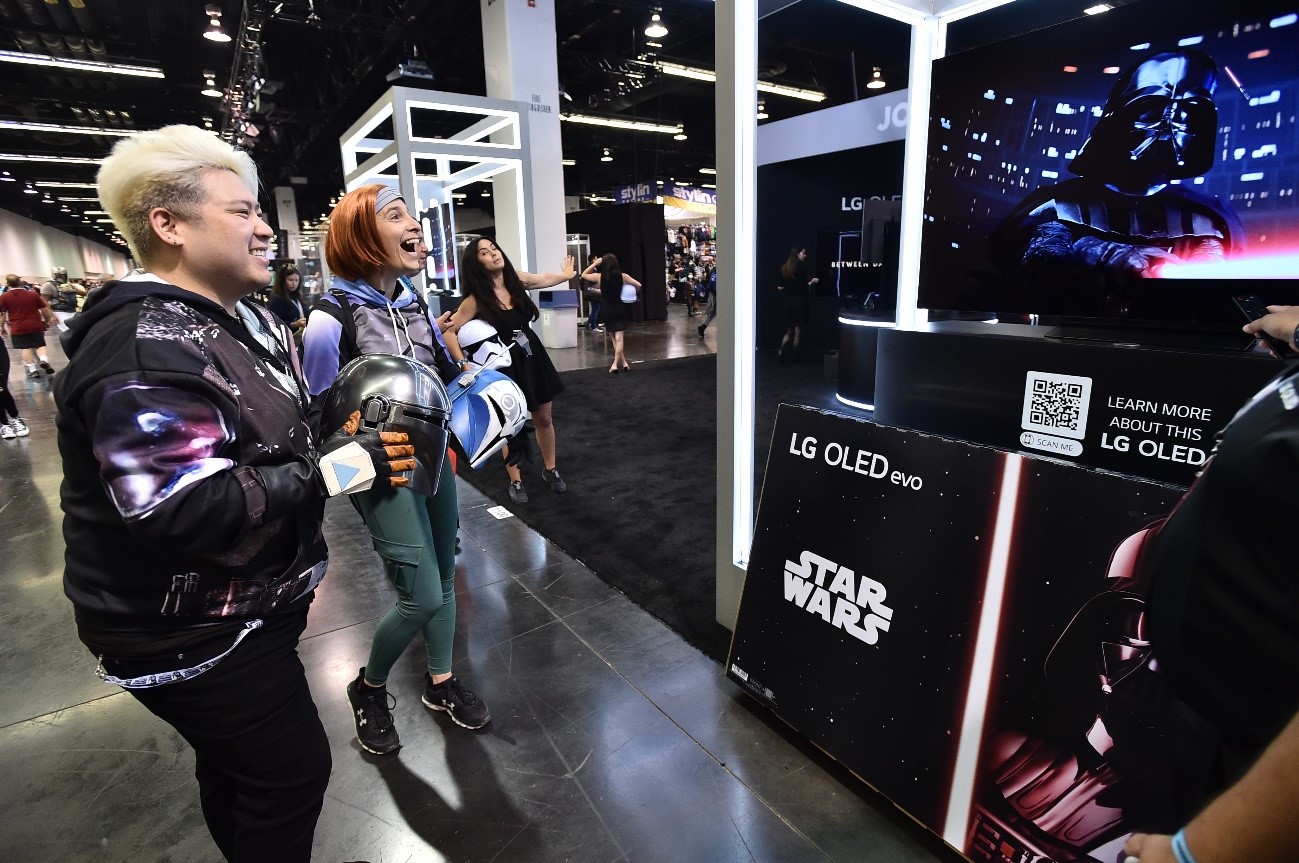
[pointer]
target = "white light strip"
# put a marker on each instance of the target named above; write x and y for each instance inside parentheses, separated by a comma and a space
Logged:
(737, 146)
(926, 45)
(613, 123)
(24, 126)
(62, 160)
(855, 322)
(53, 184)
(695, 73)
(852, 404)
(792, 92)
(970, 8)
(25, 59)
(961, 795)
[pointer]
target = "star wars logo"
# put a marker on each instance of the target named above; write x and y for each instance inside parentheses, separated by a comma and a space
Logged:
(851, 602)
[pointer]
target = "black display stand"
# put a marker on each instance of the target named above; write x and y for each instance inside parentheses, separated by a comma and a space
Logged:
(858, 346)
(924, 610)
(1148, 412)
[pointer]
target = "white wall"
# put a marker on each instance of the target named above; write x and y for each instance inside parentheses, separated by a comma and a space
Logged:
(33, 251)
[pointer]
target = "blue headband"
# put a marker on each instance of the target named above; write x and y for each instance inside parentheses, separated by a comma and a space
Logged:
(385, 197)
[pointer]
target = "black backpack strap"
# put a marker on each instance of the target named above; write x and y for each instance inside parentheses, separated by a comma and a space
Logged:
(349, 348)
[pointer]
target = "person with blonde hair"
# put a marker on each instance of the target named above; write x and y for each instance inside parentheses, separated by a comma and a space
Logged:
(194, 489)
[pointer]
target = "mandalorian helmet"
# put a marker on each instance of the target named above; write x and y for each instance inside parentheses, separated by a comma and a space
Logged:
(395, 394)
(1159, 124)
(486, 409)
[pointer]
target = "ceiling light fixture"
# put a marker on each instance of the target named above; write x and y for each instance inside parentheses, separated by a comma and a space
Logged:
(762, 110)
(708, 170)
(697, 74)
(26, 59)
(569, 162)
(606, 157)
(24, 126)
(214, 31)
(680, 135)
(59, 184)
(209, 85)
(615, 123)
(62, 160)
(877, 81)
(1098, 9)
(656, 30)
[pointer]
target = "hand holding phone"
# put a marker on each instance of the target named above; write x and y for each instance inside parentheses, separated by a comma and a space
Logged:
(1253, 309)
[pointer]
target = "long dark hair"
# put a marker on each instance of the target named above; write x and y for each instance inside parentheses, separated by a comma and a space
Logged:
(610, 275)
(477, 283)
(281, 287)
(789, 269)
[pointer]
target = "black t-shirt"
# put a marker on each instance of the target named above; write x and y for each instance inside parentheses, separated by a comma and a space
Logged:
(1224, 598)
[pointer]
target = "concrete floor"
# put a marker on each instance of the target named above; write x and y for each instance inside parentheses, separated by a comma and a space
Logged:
(612, 739)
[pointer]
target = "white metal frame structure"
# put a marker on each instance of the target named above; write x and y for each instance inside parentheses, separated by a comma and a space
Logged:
(492, 144)
(737, 32)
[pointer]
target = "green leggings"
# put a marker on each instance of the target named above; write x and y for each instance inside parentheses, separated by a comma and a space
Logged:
(416, 538)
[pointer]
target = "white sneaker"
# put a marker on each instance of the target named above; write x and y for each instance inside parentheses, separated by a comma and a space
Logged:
(6, 432)
(18, 427)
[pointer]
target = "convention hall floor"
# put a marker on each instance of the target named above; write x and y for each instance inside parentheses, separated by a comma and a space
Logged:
(612, 739)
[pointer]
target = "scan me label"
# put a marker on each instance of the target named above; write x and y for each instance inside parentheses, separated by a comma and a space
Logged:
(851, 602)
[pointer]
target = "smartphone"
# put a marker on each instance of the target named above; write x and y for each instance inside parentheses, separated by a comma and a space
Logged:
(1253, 309)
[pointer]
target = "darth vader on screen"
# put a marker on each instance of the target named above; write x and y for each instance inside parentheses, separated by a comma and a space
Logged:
(1122, 219)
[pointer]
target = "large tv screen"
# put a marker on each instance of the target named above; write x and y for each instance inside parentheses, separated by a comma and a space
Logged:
(1139, 165)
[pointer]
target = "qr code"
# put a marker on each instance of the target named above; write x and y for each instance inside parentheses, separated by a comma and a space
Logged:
(1056, 404)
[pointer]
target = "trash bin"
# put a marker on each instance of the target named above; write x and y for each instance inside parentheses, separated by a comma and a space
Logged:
(557, 327)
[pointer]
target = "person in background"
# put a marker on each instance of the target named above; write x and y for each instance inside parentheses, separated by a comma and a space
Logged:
(623, 292)
(194, 489)
(286, 300)
(710, 293)
(373, 241)
(795, 285)
(27, 316)
(595, 300)
(12, 426)
(497, 293)
(1223, 622)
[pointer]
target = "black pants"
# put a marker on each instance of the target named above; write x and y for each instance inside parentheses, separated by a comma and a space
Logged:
(262, 758)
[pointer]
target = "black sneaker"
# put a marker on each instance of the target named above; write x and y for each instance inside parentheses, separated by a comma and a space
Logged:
(554, 480)
(372, 713)
(701, 329)
(47, 368)
(517, 494)
(465, 709)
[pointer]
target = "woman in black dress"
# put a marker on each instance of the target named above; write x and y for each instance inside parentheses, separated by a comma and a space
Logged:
(794, 290)
(618, 292)
(497, 293)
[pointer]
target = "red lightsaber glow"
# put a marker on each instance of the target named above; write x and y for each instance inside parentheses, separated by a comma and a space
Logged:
(1246, 267)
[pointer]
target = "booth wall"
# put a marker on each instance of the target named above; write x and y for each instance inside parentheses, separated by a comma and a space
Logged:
(637, 235)
(796, 200)
(32, 250)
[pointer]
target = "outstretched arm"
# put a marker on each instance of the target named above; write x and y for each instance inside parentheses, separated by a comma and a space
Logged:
(536, 281)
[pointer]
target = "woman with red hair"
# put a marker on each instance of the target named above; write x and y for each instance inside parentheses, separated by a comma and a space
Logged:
(373, 242)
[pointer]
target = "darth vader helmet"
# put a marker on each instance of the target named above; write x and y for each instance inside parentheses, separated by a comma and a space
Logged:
(1158, 125)
(395, 394)
(486, 409)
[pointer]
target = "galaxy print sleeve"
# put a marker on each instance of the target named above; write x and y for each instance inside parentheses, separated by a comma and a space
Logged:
(320, 354)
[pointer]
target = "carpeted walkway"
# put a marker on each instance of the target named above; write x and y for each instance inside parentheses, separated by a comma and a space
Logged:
(638, 451)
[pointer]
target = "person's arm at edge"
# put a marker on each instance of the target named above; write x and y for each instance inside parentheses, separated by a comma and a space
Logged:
(1250, 822)
(1281, 323)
